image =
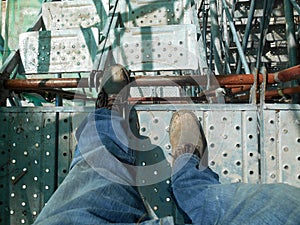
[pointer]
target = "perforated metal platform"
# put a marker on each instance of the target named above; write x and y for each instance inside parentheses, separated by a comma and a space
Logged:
(141, 13)
(281, 144)
(156, 48)
(58, 51)
(36, 148)
(74, 14)
(231, 134)
(244, 144)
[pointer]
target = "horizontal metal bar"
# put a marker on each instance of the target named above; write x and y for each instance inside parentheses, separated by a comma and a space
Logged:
(289, 74)
(275, 93)
(21, 84)
(165, 100)
(281, 92)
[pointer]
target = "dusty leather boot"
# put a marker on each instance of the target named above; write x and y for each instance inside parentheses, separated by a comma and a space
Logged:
(114, 89)
(185, 134)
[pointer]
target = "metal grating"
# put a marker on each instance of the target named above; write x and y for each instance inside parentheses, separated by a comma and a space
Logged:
(232, 137)
(156, 48)
(232, 141)
(74, 14)
(27, 164)
(231, 134)
(281, 145)
(58, 51)
(36, 146)
(140, 13)
(33, 160)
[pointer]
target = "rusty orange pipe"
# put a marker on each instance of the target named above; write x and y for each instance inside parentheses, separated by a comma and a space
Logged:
(238, 89)
(289, 74)
(286, 91)
(292, 73)
(20, 84)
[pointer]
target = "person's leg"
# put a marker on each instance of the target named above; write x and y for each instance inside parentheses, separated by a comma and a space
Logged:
(206, 201)
(98, 188)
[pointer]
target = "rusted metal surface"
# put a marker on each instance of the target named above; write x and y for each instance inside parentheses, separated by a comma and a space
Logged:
(289, 74)
(235, 83)
(165, 100)
(238, 89)
(18, 84)
(282, 92)
(191, 80)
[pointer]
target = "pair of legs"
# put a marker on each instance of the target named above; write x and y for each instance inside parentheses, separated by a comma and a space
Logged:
(99, 188)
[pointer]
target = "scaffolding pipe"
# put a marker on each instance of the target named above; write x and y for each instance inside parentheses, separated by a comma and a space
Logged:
(21, 84)
(247, 32)
(291, 39)
(264, 25)
(296, 6)
(290, 33)
(282, 92)
(236, 38)
(215, 37)
(289, 74)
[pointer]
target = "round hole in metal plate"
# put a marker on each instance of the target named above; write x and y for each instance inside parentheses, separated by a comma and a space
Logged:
(225, 172)
(286, 167)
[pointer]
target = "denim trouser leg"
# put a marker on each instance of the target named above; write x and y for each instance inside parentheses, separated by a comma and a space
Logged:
(99, 188)
(206, 201)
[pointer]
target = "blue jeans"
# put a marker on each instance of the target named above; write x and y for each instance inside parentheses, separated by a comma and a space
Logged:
(100, 187)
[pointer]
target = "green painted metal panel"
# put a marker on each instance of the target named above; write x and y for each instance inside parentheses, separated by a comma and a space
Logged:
(28, 166)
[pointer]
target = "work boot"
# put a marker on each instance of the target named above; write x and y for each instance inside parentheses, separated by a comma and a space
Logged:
(185, 134)
(113, 91)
